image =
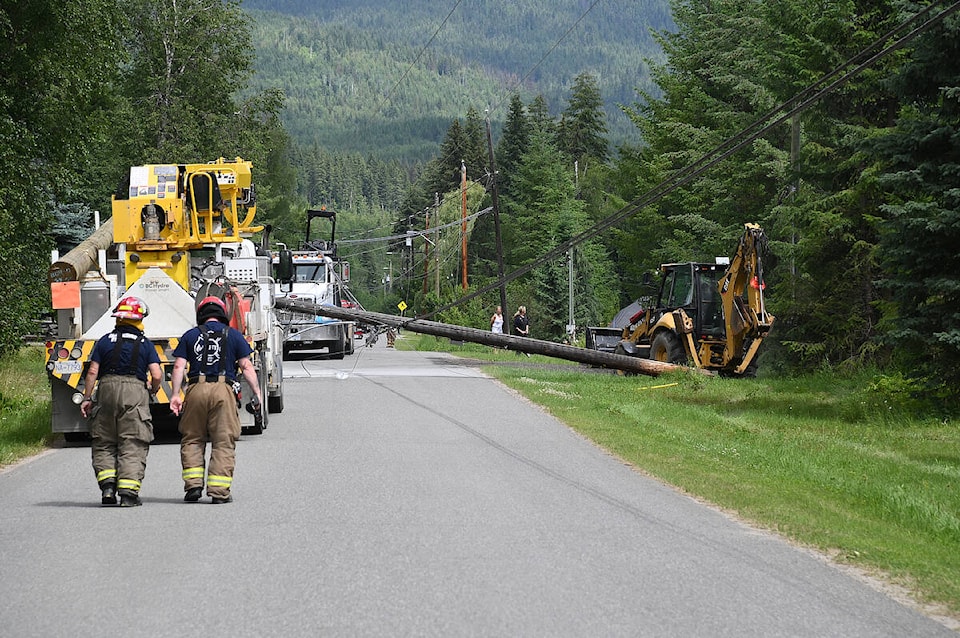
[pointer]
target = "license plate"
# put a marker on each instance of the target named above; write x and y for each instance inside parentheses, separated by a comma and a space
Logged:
(67, 367)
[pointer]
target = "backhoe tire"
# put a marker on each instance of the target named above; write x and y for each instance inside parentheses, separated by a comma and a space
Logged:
(667, 348)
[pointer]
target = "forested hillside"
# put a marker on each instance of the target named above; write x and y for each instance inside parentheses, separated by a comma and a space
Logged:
(354, 82)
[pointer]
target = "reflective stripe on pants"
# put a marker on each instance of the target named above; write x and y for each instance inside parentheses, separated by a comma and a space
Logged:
(209, 414)
(121, 431)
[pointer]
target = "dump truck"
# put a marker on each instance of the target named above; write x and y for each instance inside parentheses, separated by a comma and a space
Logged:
(178, 233)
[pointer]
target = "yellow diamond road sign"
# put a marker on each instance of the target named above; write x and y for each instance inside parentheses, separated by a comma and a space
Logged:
(402, 306)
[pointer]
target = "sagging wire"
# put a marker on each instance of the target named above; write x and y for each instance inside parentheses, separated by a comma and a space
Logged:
(731, 145)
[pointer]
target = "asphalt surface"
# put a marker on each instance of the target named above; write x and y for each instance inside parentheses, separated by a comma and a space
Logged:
(405, 494)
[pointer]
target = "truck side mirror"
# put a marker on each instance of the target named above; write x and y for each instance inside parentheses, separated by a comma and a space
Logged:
(285, 266)
(647, 280)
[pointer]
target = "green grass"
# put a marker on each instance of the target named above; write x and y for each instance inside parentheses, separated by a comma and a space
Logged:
(837, 462)
(24, 406)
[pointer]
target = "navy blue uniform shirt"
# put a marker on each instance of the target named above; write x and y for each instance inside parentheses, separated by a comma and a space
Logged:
(103, 353)
(225, 353)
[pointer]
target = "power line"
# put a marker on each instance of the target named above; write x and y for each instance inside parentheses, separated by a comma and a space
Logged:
(798, 103)
(546, 55)
(432, 230)
(417, 59)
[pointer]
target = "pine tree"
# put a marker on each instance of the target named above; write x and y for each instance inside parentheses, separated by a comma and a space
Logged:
(475, 155)
(512, 145)
(583, 129)
(921, 226)
(539, 118)
(548, 214)
(729, 63)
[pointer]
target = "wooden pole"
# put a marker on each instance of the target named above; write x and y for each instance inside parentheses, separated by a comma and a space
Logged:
(626, 363)
(75, 264)
(463, 223)
(496, 218)
(426, 254)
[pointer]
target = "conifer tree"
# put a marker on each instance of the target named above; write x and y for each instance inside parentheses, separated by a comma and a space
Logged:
(475, 155)
(512, 145)
(582, 131)
(729, 63)
(921, 229)
(548, 213)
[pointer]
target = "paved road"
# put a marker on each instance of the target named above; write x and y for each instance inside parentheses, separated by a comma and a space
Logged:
(404, 494)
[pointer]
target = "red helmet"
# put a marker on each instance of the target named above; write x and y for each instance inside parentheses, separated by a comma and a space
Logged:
(131, 308)
(212, 307)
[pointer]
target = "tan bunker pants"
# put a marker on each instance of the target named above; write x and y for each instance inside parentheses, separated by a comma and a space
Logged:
(209, 414)
(121, 432)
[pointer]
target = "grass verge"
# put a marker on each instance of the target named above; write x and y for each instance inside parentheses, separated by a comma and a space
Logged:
(24, 406)
(832, 461)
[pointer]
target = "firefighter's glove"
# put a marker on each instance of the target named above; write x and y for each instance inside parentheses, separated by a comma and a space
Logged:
(253, 407)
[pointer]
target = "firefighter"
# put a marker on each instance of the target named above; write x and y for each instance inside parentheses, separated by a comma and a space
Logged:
(122, 427)
(209, 407)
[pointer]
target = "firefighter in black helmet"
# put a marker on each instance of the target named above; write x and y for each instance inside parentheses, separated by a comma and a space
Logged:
(122, 427)
(208, 409)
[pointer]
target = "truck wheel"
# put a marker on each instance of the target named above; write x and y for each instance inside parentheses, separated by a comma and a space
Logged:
(275, 404)
(76, 437)
(251, 430)
(338, 347)
(666, 347)
(348, 342)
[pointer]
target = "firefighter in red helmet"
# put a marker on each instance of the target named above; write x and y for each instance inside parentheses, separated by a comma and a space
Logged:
(122, 427)
(208, 410)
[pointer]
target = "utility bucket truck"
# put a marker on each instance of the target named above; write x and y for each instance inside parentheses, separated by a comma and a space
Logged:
(314, 274)
(179, 233)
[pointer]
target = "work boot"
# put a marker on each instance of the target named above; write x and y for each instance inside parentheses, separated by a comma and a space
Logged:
(193, 494)
(130, 500)
(108, 494)
(218, 500)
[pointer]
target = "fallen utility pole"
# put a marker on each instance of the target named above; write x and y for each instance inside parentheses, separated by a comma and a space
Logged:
(75, 264)
(487, 338)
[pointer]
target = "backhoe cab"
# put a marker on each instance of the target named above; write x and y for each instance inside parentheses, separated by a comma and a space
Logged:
(710, 315)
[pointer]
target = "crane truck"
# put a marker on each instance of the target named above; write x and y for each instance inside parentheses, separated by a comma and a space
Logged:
(708, 315)
(179, 233)
(315, 274)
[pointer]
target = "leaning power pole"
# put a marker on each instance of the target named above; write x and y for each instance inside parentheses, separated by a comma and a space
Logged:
(463, 217)
(426, 254)
(436, 249)
(496, 218)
